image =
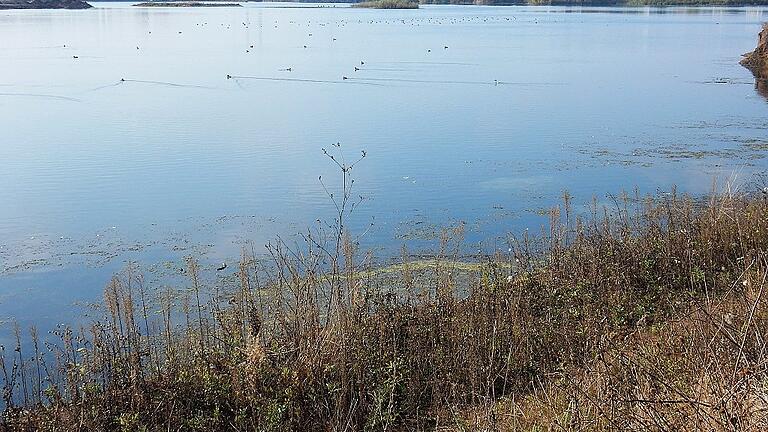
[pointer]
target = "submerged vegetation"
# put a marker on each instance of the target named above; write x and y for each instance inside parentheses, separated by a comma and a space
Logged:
(647, 314)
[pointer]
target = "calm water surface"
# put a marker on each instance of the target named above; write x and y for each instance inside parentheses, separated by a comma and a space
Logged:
(121, 137)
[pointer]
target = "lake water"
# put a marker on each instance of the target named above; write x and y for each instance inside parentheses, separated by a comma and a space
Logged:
(121, 137)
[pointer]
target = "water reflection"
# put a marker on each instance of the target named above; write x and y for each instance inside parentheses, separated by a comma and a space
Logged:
(761, 86)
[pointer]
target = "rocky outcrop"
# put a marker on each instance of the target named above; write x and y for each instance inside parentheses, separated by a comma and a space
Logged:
(757, 60)
(44, 4)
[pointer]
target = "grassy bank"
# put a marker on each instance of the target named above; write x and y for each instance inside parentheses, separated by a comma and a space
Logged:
(647, 314)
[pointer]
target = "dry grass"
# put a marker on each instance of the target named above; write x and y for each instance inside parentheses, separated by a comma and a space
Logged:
(648, 315)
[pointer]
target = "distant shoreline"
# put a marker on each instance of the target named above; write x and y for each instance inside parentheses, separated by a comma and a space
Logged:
(387, 4)
(43, 4)
(587, 3)
(561, 3)
(186, 4)
(602, 3)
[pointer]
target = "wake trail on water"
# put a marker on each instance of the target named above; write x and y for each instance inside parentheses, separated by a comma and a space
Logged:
(43, 96)
(107, 86)
(239, 77)
(427, 63)
(168, 84)
(484, 83)
(384, 69)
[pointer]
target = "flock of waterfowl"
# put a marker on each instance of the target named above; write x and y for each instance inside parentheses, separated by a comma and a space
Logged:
(319, 33)
(315, 26)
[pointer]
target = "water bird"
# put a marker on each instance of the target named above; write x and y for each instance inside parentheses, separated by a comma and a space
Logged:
(75, 57)
(357, 68)
(223, 266)
(229, 76)
(343, 77)
(445, 47)
(362, 62)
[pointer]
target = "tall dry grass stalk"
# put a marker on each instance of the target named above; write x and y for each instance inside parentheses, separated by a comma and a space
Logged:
(646, 314)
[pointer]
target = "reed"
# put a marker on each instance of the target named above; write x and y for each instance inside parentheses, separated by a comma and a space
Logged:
(648, 313)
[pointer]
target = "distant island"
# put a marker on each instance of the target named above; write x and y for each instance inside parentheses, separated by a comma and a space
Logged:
(388, 4)
(44, 4)
(186, 4)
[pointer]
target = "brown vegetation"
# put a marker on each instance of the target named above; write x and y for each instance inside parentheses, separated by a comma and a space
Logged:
(647, 314)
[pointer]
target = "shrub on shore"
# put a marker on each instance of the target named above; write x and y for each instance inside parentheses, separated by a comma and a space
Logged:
(647, 314)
